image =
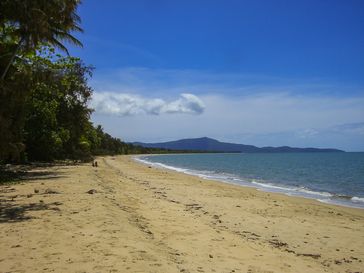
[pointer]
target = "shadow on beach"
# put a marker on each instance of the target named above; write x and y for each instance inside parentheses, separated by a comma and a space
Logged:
(19, 173)
(10, 212)
(10, 209)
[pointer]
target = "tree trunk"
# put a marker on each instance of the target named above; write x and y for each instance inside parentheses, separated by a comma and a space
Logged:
(11, 59)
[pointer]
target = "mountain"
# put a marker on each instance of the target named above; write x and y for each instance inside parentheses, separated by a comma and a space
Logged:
(212, 145)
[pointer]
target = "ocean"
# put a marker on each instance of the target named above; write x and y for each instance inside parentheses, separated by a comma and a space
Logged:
(336, 178)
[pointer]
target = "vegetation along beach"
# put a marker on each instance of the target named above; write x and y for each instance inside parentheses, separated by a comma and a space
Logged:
(181, 136)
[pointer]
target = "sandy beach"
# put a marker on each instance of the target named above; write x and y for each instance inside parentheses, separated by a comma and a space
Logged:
(127, 217)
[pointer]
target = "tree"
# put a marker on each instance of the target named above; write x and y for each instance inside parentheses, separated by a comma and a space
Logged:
(29, 23)
(57, 122)
(24, 26)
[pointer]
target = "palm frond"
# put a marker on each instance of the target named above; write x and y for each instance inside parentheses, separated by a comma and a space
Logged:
(68, 37)
(58, 44)
(77, 28)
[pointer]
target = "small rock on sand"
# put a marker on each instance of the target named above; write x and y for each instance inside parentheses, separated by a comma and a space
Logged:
(50, 191)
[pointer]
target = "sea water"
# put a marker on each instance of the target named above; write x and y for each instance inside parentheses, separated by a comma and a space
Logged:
(328, 177)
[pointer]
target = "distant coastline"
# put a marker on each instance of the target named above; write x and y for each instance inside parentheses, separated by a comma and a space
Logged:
(206, 144)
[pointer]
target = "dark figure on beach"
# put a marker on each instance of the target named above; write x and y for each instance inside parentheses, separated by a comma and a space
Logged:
(95, 163)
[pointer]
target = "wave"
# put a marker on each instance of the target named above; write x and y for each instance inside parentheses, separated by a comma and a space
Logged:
(324, 197)
(173, 168)
(292, 190)
(357, 199)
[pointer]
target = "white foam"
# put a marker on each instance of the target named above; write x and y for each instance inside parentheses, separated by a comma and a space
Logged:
(266, 185)
(307, 191)
(161, 165)
(292, 191)
(357, 199)
(326, 201)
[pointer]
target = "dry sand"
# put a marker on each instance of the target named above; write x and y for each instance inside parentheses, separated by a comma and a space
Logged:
(143, 219)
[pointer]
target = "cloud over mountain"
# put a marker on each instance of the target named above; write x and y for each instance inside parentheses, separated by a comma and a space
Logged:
(122, 104)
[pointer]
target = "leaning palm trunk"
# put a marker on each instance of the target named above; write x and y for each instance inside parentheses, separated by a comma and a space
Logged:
(3, 75)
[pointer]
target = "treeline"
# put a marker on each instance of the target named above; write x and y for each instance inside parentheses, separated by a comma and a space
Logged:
(44, 96)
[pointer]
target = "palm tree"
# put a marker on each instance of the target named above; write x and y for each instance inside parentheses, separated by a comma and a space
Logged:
(39, 21)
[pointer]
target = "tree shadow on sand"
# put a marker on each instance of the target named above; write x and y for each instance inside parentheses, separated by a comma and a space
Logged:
(10, 210)
(18, 173)
(11, 213)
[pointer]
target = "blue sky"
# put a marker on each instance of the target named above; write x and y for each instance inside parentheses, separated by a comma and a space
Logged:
(254, 72)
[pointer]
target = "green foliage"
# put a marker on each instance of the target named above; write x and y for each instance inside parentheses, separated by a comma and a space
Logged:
(57, 116)
(24, 26)
(33, 22)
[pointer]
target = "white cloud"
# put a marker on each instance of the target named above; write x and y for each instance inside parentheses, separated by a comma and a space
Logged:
(307, 133)
(351, 128)
(120, 104)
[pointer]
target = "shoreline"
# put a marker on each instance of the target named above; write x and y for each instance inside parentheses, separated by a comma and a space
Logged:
(331, 198)
(125, 216)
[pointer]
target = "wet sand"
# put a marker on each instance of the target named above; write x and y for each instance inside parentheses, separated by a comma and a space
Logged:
(127, 217)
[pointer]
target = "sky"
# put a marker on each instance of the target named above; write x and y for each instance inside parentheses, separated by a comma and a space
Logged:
(266, 73)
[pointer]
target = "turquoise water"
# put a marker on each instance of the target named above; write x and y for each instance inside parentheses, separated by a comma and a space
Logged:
(328, 177)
